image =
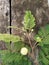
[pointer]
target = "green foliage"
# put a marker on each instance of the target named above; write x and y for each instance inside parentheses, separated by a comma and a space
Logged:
(12, 55)
(43, 33)
(29, 20)
(44, 55)
(38, 39)
(10, 58)
(9, 37)
(18, 45)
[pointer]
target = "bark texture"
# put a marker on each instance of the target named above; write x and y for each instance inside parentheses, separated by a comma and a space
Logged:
(4, 19)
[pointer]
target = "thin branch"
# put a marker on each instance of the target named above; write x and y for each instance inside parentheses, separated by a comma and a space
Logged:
(29, 40)
(34, 45)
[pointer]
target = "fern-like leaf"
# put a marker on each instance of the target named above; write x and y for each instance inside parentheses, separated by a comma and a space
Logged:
(29, 20)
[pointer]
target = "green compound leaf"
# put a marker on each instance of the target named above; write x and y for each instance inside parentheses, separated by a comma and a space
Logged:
(44, 55)
(43, 33)
(18, 45)
(9, 37)
(10, 58)
(29, 20)
(43, 36)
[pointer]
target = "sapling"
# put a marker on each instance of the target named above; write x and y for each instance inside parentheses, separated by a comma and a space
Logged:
(27, 29)
(26, 46)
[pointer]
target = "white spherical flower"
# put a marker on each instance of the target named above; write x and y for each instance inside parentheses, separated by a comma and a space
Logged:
(32, 30)
(24, 51)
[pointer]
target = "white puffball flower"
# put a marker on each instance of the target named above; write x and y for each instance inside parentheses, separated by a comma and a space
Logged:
(32, 30)
(24, 51)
